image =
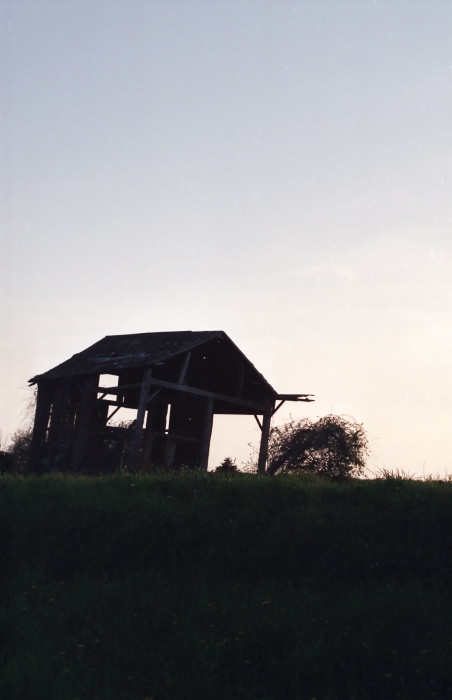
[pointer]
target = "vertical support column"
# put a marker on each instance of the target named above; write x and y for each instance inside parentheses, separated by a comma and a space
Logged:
(38, 440)
(136, 444)
(263, 450)
(85, 421)
(148, 436)
(206, 435)
(57, 422)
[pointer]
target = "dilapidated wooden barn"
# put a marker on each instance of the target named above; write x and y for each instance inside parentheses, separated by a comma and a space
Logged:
(175, 382)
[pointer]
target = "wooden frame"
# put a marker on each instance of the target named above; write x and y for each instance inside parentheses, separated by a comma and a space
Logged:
(199, 373)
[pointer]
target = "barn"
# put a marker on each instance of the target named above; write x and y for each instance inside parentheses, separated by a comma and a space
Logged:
(174, 382)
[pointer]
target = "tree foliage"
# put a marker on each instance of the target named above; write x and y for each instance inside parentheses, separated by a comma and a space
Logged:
(14, 457)
(19, 450)
(6, 462)
(334, 446)
(228, 466)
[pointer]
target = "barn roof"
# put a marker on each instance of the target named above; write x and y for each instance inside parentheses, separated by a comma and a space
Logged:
(118, 352)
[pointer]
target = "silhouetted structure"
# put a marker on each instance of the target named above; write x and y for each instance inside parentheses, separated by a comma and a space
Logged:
(174, 381)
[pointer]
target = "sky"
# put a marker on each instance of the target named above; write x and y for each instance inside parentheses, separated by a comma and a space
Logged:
(277, 170)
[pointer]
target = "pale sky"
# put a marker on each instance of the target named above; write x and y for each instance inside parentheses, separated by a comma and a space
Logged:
(277, 170)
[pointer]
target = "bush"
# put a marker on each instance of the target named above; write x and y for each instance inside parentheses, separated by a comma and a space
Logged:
(19, 451)
(334, 446)
(228, 466)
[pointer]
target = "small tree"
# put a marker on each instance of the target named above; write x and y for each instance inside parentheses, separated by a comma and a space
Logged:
(228, 466)
(334, 446)
(15, 452)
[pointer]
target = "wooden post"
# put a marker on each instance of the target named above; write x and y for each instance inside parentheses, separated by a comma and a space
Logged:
(57, 422)
(85, 421)
(263, 450)
(169, 452)
(207, 432)
(144, 395)
(38, 441)
(148, 437)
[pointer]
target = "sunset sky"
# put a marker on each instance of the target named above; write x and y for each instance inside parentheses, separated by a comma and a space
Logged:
(277, 170)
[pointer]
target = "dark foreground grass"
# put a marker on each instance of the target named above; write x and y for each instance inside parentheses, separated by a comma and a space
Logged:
(207, 587)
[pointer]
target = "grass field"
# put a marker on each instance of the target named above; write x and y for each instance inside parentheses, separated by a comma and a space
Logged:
(209, 587)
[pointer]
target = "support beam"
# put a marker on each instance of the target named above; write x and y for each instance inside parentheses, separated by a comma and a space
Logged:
(207, 433)
(85, 421)
(263, 450)
(38, 441)
(144, 395)
(64, 417)
(56, 424)
(177, 437)
(148, 439)
(278, 406)
(184, 368)
(258, 421)
(169, 452)
(295, 397)
(113, 413)
(153, 395)
(258, 408)
(208, 394)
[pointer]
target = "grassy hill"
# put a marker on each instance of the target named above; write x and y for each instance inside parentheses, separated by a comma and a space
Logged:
(209, 587)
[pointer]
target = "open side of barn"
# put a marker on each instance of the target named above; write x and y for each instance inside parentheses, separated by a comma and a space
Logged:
(174, 382)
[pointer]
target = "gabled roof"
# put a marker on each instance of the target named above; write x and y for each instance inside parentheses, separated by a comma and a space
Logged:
(119, 352)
